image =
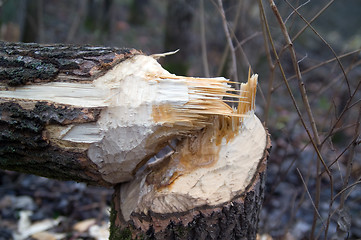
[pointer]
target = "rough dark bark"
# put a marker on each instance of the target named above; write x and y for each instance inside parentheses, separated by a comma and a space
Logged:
(23, 145)
(25, 63)
(237, 219)
(24, 148)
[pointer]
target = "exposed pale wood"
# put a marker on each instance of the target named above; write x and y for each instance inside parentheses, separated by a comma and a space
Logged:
(185, 165)
(129, 107)
(25, 145)
(234, 219)
(203, 188)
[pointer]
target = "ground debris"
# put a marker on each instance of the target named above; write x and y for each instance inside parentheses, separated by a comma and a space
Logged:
(34, 207)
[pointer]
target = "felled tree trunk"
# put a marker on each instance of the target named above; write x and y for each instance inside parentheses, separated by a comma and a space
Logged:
(34, 116)
(184, 164)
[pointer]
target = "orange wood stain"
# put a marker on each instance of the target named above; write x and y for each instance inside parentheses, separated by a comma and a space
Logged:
(201, 150)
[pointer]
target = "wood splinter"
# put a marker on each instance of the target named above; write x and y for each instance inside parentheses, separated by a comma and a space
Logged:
(185, 164)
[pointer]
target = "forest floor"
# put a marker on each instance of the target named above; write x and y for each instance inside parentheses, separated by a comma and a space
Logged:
(33, 207)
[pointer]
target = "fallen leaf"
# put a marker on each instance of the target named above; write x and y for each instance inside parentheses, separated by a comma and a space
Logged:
(44, 236)
(99, 232)
(84, 225)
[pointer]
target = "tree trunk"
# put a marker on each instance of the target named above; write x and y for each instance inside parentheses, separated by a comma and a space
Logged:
(28, 126)
(183, 163)
(210, 186)
(234, 219)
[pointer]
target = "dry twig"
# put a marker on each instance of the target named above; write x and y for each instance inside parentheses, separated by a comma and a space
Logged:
(229, 40)
(203, 40)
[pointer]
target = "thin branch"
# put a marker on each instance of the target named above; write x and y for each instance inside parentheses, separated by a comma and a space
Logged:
(309, 195)
(203, 40)
(226, 50)
(239, 46)
(319, 65)
(350, 158)
(338, 194)
(241, 43)
(325, 62)
(303, 4)
(333, 82)
(345, 189)
(340, 155)
(229, 39)
(313, 19)
(271, 66)
(355, 103)
(297, 69)
(76, 21)
(305, 102)
(289, 88)
(315, 142)
(326, 43)
(344, 110)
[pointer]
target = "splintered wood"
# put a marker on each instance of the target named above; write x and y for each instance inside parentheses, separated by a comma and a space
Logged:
(180, 151)
(211, 165)
(141, 107)
(223, 123)
(206, 98)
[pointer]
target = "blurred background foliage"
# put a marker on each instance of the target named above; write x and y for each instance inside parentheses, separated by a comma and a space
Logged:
(195, 27)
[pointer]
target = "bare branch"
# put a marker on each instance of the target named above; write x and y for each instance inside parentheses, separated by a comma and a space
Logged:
(303, 4)
(309, 195)
(203, 40)
(327, 44)
(229, 39)
(350, 158)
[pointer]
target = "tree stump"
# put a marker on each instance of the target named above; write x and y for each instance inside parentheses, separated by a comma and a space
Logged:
(221, 200)
(183, 163)
(236, 218)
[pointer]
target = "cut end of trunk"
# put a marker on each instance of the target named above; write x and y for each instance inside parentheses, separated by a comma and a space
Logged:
(143, 108)
(208, 168)
(183, 159)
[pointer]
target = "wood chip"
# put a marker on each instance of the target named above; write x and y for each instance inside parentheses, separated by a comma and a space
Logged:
(84, 225)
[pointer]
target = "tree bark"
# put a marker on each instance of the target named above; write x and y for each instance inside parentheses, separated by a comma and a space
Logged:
(24, 144)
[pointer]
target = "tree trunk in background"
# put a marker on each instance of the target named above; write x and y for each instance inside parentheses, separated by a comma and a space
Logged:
(178, 35)
(106, 17)
(138, 13)
(33, 26)
(98, 16)
(12, 20)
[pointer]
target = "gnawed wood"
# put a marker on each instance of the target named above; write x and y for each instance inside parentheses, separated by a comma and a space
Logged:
(208, 178)
(139, 108)
(185, 165)
(234, 219)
